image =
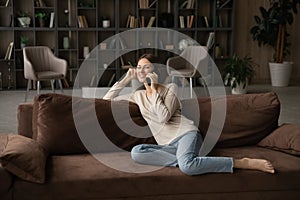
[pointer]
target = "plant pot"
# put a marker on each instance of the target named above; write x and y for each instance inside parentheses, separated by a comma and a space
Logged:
(240, 89)
(280, 73)
(42, 22)
(105, 23)
(22, 45)
(24, 21)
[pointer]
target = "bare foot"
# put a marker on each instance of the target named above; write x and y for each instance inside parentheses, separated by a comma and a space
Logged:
(255, 164)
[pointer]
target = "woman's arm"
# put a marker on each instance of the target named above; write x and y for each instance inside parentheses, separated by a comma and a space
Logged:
(118, 86)
(164, 108)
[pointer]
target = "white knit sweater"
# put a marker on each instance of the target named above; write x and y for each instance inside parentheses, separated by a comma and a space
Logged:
(161, 111)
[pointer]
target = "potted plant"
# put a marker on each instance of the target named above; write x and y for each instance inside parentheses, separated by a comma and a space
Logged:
(24, 41)
(238, 72)
(41, 16)
(24, 19)
(271, 29)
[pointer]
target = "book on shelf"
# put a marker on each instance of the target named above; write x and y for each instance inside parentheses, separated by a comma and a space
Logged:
(223, 3)
(151, 21)
(51, 24)
(9, 51)
(188, 4)
(210, 40)
(7, 3)
(190, 20)
(41, 3)
(181, 21)
(205, 22)
(142, 21)
(144, 4)
(82, 21)
(132, 21)
(152, 4)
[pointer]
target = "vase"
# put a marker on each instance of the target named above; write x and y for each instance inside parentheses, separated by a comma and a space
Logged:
(66, 43)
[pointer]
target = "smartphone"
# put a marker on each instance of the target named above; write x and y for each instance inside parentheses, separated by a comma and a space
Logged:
(148, 81)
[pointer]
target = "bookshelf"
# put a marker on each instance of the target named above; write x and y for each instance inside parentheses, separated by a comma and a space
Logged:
(79, 22)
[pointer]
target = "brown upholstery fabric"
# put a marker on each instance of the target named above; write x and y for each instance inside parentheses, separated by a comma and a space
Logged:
(56, 131)
(249, 117)
(6, 179)
(24, 158)
(286, 139)
(25, 119)
(90, 179)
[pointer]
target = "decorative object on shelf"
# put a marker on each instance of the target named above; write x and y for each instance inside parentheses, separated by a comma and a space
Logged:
(1, 87)
(66, 11)
(105, 22)
(184, 43)
(66, 43)
(24, 41)
(218, 51)
(238, 72)
(86, 52)
(24, 19)
(41, 16)
(271, 29)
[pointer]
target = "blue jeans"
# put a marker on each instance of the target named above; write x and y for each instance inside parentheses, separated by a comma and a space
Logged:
(183, 152)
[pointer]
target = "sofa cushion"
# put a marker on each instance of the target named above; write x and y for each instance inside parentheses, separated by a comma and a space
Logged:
(5, 177)
(57, 133)
(24, 158)
(249, 117)
(286, 139)
(90, 179)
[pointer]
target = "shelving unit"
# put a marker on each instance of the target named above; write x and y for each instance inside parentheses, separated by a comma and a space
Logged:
(219, 15)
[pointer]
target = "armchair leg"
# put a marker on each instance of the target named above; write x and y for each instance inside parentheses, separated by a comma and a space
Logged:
(27, 90)
(60, 85)
(38, 87)
(52, 85)
(191, 87)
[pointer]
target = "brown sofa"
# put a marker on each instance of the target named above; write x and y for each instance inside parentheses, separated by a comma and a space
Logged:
(71, 172)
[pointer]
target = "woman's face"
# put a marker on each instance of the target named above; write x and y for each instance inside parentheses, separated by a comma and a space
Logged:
(143, 68)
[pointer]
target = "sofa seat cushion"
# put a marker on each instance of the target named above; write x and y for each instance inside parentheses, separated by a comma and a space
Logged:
(84, 177)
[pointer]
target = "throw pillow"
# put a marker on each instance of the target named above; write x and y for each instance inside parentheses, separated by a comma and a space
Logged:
(24, 158)
(286, 139)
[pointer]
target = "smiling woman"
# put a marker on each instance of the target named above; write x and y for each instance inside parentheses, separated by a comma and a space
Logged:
(179, 140)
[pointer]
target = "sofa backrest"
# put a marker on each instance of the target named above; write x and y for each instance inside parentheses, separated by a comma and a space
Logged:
(49, 120)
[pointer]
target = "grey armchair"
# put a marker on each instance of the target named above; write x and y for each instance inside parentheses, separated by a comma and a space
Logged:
(192, 63)
(40, 64)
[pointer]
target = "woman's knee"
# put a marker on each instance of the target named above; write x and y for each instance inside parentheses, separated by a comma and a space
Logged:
(135, 152)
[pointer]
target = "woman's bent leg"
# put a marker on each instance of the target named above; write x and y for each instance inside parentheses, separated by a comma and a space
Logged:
(191, 164)
(151, 154)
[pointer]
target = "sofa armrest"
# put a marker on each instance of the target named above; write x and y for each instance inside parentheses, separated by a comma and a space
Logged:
(25, 112)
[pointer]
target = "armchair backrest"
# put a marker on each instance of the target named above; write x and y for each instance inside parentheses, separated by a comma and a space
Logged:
(39, 56)
(197, 57)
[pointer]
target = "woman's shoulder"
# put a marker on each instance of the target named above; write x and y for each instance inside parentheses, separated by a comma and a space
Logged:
(171, 86)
